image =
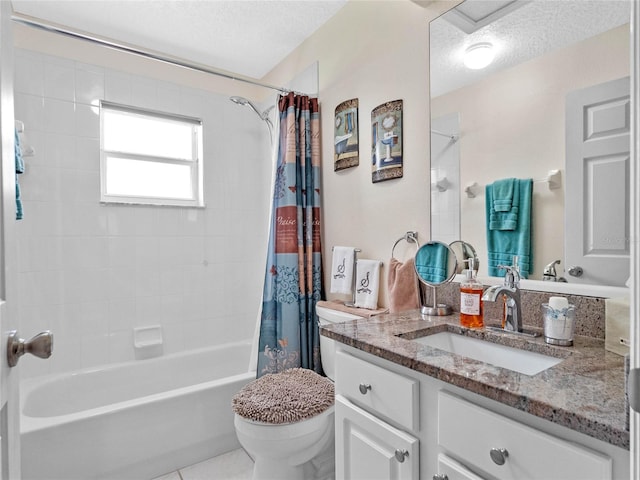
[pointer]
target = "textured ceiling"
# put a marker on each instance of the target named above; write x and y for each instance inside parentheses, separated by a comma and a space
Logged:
(246, 37)
(535, 28)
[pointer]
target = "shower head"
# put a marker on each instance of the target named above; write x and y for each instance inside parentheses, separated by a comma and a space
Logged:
(263, 116)
(239, 100)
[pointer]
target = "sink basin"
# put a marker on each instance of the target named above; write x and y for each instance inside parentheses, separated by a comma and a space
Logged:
(523, 361)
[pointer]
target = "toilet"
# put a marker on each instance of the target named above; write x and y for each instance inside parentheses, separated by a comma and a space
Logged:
(285, 421)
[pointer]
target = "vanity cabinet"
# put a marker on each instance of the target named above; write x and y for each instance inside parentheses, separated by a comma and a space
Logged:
(506, 449)
(376, 413)
(394, 422)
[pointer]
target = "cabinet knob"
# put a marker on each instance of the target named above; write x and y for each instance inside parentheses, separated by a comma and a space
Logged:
(440, 476)
(364, 388)
(499, 455)
(401, 455)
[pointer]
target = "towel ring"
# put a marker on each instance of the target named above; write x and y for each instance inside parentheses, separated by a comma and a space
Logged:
(410, 237)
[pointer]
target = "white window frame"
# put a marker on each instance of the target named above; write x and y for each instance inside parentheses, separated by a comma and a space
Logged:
(195, 162)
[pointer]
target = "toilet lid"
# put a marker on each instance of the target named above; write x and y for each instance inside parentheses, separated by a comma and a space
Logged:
(286, 397)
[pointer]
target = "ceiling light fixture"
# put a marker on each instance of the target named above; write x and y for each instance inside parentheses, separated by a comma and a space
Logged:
(479, 55)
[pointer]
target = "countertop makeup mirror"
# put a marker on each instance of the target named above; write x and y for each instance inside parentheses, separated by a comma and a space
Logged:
(464, 251)
(509, 119)
(435, 264)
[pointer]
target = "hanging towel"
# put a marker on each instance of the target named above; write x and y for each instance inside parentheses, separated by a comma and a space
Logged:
(19, 169)
(367, 283)
(502, 245)
(503, 191)
(342, 270)
(503, 198)
(432, 261)
(402, 283)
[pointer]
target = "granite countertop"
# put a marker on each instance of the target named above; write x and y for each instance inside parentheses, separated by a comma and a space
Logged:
(585, 392)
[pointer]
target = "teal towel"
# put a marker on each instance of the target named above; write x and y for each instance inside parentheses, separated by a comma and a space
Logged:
(432, 261)
(19, 169)
(503, 194)
(502, 245)
(503, 202)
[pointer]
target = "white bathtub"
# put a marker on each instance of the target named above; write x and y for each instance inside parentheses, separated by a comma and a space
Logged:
(134, 420)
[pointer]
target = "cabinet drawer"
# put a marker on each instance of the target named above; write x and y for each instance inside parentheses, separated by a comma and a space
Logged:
(449, 469)
(380, 391)
(470, 432)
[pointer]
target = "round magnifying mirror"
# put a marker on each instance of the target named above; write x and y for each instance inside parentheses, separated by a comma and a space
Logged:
(464, 251)
(435, 264)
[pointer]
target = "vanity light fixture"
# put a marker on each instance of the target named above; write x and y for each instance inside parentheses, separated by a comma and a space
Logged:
(479, 55)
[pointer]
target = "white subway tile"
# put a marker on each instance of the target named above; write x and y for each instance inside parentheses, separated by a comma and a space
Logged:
(117, 87)
(59, 81)
(89, 85)
(87, 121)
(59, 116)
(60, 150)
(28, 73)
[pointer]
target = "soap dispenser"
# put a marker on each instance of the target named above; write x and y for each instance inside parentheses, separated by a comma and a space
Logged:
(471, 315)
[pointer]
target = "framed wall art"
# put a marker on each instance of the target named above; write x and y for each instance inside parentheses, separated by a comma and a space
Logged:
(345, 135)
(386, 141)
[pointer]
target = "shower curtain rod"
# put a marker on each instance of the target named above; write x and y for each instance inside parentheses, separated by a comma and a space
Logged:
(66, 31)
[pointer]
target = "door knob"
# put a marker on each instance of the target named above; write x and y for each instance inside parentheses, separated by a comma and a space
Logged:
(576, 271)
(41, 346)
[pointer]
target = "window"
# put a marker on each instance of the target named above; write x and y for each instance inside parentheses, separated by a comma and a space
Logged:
(149, 157)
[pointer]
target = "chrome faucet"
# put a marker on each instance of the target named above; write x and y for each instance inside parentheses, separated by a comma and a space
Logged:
(549, 273)
(511, 289)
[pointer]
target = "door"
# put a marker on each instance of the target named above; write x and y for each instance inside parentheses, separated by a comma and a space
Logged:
(369, 449)
(597, 184)
(9, 408)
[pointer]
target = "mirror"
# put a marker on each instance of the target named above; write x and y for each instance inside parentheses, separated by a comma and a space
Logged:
(435, 264)
(464, 252)
(509, 119)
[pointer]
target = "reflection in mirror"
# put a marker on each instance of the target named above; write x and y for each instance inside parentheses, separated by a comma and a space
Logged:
(435, 264)
(464, 252)
(508, 120)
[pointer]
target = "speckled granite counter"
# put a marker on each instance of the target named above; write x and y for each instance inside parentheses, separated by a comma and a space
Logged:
(584, 392)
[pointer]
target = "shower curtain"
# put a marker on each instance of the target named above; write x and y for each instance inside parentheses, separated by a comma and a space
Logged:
(289, 335)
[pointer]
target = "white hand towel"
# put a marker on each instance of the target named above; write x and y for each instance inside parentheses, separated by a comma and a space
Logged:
(367, 283)
(342, 270)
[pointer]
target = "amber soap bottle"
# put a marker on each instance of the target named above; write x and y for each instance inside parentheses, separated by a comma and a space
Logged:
(471, 315)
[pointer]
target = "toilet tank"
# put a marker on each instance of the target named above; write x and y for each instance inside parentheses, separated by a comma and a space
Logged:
(328, 345)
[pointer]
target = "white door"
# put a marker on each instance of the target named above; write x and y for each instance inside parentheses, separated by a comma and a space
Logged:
(597, 184)
(9, 408)
(369, 449)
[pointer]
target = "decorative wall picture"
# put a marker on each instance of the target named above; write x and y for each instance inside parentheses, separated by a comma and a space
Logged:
(386, 141)
(345, 134)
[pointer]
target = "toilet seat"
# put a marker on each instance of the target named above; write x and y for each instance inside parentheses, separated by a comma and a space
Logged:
(288, 397)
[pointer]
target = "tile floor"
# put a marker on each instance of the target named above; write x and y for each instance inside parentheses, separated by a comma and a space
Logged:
(235, 465)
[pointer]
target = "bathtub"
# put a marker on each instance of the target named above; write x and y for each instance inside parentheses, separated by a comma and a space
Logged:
(135, 420)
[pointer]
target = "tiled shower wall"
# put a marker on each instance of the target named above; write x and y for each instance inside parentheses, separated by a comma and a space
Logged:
(92, 272)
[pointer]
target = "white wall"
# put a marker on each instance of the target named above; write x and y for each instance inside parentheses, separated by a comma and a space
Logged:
(92, 272)
(375, 51)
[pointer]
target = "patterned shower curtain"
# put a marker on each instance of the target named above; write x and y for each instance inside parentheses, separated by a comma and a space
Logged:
(289, 335)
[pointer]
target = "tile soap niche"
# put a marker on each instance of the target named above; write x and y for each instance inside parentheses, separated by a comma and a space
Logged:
(147, 341)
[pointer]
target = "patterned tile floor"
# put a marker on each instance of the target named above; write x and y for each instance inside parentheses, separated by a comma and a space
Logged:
(235, 465)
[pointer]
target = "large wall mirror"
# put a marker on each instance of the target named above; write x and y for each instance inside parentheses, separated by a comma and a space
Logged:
(513, 118)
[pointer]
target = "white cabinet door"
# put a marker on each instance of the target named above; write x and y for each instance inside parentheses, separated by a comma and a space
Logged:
(369, 449)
